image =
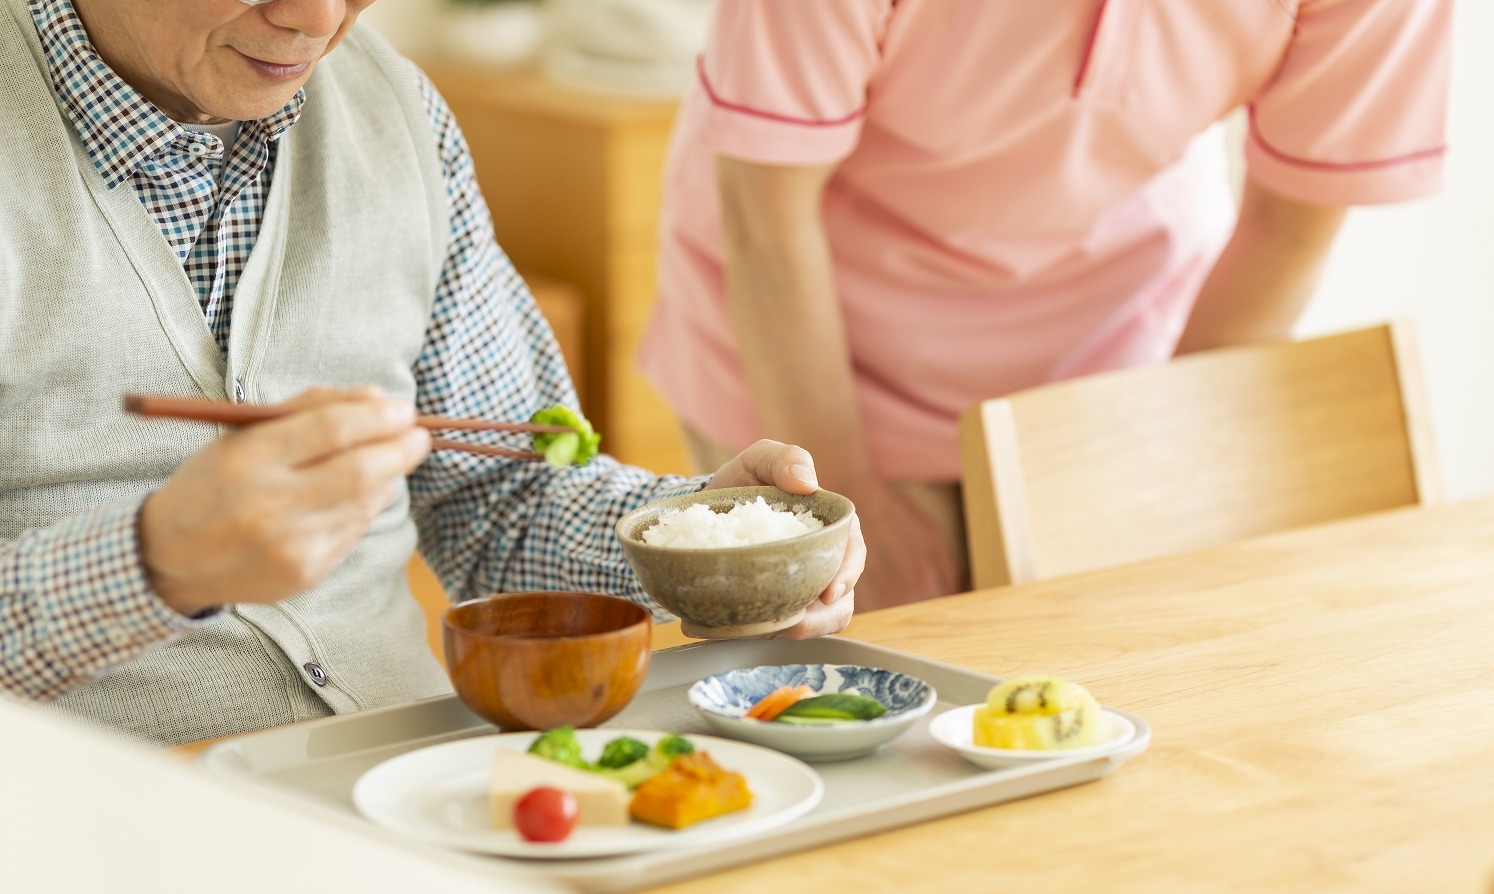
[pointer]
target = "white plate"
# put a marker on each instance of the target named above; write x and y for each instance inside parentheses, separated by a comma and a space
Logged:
(953, 728)
(440, 795)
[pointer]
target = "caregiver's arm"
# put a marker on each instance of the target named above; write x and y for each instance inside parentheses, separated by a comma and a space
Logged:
(1266, 274)
(791, 335)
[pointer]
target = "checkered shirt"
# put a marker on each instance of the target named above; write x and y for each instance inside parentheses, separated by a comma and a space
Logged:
(74, 599)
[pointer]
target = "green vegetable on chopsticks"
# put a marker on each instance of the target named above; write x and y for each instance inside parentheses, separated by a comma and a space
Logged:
(562, 449)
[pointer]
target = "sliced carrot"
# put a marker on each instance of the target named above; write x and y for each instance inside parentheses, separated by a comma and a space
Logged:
(772, 704)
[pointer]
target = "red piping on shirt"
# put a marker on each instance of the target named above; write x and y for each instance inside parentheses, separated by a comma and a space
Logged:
(758, 113)
(1089, 47)
(1340, 166)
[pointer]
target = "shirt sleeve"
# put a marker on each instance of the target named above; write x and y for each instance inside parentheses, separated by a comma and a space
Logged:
(75, 602)
(785, 81)
(1356, 113)
(493, 525)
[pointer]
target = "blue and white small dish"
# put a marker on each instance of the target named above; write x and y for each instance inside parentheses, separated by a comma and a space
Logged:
(724, 698)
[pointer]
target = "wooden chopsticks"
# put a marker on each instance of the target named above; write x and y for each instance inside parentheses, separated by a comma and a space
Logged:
(227, 413)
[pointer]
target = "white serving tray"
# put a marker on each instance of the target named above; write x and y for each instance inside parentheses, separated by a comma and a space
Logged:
(911, 779)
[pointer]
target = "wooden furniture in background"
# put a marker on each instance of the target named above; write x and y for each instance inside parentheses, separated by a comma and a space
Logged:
(573, 181)
(564, 308)
(1213, 447)
(433, 603)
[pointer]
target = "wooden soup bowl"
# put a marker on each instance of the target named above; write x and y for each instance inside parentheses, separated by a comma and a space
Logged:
(533, 661)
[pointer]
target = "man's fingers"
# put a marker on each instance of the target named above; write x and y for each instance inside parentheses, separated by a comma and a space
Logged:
(823, 619)
(852, 564)
(784, 466)
(327, 423)
(362, 479)
(832, 611)
(268, 510)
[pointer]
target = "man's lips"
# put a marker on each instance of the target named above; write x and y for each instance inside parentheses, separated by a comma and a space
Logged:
(277, 71)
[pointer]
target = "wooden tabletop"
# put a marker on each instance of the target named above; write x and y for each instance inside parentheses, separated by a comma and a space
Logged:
(1322, 706)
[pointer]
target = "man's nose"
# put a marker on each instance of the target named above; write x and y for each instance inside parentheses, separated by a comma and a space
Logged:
(313, 18)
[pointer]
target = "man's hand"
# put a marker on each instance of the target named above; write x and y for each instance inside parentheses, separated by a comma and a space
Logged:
(265, 512)
(791, 469)
(907, 558)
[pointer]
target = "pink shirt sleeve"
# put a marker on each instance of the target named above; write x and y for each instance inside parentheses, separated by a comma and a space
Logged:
(1356, 113)
(785, 81)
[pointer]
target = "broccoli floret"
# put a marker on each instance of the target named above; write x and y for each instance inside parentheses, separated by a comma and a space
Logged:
(562, 449)
(561, 745)
(621, 751)
(670, 747)
(658, 759)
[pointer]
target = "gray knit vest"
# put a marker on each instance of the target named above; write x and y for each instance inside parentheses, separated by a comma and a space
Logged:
(337, 291)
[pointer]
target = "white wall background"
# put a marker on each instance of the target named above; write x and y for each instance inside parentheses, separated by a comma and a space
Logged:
(1430, 260)
(1433, 261)
(406, 23)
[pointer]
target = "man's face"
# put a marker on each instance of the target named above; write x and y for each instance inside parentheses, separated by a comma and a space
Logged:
(207, 61)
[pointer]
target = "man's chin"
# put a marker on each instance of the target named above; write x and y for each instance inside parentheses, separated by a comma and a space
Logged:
(260, 104)
(247, 94)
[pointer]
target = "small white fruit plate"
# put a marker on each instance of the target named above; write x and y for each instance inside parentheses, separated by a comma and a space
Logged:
(953, 728)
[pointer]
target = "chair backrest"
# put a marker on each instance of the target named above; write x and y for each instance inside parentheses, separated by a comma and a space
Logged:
(1209, 448)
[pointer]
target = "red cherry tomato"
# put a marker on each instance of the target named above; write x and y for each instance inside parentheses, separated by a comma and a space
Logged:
(545, 814)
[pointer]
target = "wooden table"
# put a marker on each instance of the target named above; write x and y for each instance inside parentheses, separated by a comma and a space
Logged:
(1322, 705)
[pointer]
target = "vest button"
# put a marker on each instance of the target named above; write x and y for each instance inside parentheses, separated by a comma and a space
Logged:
(315, 672)
(238, 391)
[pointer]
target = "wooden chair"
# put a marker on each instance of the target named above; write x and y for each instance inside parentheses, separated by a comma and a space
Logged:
(1209, 448)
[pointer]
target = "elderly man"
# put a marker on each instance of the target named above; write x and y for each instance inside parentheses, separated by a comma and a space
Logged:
(199, 197)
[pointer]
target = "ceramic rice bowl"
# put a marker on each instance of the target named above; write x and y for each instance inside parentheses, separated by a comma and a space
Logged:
(740, 591)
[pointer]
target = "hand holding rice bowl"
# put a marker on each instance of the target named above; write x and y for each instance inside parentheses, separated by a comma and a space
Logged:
(749, 586)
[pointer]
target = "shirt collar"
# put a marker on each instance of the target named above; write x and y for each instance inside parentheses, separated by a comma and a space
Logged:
(119, 127)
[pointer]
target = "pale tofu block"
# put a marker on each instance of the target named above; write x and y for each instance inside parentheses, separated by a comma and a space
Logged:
(600, 801)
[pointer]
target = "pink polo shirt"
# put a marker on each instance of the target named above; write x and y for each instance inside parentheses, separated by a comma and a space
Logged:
(1025, 191)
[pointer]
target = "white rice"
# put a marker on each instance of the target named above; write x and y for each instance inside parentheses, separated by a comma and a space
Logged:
(745, 524)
